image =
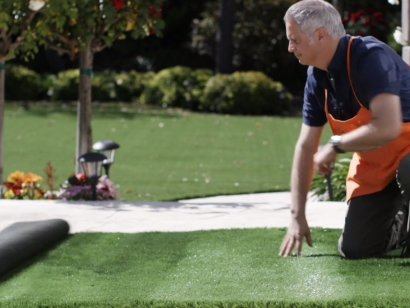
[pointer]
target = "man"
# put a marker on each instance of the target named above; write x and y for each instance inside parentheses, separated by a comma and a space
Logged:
(361, 87)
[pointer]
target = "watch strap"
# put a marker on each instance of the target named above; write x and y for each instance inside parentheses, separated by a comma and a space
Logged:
(337, 149)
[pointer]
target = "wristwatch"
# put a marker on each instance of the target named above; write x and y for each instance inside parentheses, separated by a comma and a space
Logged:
(335, 141)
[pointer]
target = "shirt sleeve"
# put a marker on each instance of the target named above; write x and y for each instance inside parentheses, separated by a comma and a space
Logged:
(313, 102)
(378, 74)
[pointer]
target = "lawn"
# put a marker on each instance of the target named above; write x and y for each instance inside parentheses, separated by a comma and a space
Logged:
(221, 268)
(173, 154)
(165, 154)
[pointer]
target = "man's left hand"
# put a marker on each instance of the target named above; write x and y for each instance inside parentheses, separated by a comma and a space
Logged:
(324, 159)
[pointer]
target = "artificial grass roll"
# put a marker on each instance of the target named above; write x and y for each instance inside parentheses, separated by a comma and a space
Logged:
(22, 240)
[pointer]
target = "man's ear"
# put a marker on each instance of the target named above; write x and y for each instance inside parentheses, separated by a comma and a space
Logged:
(321, 33)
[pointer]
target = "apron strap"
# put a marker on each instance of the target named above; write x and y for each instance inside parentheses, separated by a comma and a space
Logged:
(349, 72)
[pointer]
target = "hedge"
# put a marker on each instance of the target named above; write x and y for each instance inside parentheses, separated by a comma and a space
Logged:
(250, 93)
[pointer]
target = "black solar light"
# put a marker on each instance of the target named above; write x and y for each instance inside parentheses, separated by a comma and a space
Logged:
(92, 163)
(106, 147)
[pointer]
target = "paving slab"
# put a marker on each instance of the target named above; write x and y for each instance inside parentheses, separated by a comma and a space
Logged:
(266, 210)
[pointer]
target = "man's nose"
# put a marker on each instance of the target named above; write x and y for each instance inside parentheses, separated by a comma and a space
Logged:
(291, 48)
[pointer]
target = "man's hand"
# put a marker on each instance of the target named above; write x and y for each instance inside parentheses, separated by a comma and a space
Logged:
(297, 231)
(324, 159)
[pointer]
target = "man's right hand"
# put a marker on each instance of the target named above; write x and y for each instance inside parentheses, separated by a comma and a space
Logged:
(297, 231)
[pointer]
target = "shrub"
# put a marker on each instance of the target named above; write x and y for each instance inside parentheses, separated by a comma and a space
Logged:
(65, 86)
(338, 182)
(245, 93)
(106, 86)
(24, 84)
(199, 79)
(176, 87)
(103, 87)
(129, 86)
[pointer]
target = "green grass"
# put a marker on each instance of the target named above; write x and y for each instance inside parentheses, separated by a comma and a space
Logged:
(164, 154)
(225, 268)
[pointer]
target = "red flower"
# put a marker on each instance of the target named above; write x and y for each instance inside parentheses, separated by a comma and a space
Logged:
(15, 187)
(118, 4)
(151, 31)
(153, 12)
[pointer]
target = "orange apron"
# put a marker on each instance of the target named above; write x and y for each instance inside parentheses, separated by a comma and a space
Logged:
(370, 171)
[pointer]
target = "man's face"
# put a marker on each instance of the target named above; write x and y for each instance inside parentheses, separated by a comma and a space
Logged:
(300, 45)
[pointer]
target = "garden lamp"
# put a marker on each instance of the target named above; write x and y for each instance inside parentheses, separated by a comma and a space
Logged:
(92, 163)
(106, 147)
(328, 178)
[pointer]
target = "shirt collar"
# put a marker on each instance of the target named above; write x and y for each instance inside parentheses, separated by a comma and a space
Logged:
(339, 60)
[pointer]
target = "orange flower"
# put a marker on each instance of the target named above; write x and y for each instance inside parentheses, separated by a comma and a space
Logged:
(31, 177)
(16, 176)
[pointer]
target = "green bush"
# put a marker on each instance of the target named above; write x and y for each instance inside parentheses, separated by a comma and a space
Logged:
(199, 79)
(338, 182)
(129, 86)
(176, 87)
(65, 85)
(24, 84)
(245, 93)
(103, 87)
(250, 93)
(106, 86)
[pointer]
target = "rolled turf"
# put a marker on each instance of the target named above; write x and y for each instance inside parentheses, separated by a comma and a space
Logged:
(23, 240)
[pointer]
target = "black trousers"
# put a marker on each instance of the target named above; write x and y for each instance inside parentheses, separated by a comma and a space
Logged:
(369, 221)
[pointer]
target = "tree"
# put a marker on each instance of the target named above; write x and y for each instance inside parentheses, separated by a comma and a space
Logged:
(224, 54)
(84, 27)
(17, 36)
(259, 40)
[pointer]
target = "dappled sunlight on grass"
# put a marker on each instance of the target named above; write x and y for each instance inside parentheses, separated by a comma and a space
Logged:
(164, 154)
(221, 266)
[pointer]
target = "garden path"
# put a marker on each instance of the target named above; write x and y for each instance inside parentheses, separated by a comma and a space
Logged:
(264, 210)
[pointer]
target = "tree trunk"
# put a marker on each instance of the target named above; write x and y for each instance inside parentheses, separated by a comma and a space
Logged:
(2, 102)
(224, 51)
(84, 132)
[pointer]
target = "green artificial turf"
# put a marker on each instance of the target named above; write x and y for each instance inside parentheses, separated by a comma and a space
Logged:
(164, 154)
(224, 268)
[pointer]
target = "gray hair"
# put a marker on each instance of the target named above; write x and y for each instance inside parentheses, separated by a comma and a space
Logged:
(310, 15)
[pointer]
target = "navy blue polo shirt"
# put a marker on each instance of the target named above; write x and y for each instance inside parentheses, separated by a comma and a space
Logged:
(375, 69)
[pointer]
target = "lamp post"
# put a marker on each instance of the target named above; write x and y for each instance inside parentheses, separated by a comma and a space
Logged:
(106, 147)
(92, 163)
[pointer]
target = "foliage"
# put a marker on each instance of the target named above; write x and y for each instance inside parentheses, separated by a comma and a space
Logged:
(106, 86)
(78, 187)
(24, 84)
(367, 22)
(64, 86)
(338, 182)
(50, 181)
(259, 39)
(21, 185)
(71, 24)
(199, 90)
(20, 29)
(129, 86)
(176, 87)
(245, 93)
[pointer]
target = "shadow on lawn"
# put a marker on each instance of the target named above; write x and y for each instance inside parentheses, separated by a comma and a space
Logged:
(160, 206)
(405, 263)
(322, 255)
(15, 271)
(102, 110)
